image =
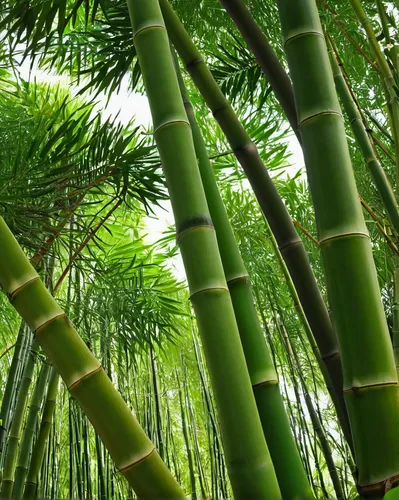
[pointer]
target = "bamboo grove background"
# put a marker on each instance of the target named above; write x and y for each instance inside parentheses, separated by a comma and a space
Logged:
(77, 190)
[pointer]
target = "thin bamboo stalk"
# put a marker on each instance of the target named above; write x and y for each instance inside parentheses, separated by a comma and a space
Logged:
(386, 75)
(370, 379)
(29, 431)
(377, 172)
(132, 451)
(275, 423)
(250, 467)
(11, 387)
(267, 60)
(44, 432)
(11, 453)
(291, 246)
(342, 417)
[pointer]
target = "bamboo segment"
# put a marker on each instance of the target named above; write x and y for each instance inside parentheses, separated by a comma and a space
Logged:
(131, 450)
(29, 431)
(377, 172)
(370, 379)
(275, 423)
(271, 67)
(44, 431)
(248, 461)
(290, 244)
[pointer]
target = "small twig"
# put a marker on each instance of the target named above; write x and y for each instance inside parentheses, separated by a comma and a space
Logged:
(305, 231)
(7, 350)
(84, 243)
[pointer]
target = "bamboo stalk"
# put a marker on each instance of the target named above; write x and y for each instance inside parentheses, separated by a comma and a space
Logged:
(267, 60)
(291, 246)
(250, 467)
(377, 172)
(11, 452)
(275, 423)
(386, 75)
(11, 388)
(44, 431)
(29, 431)
(370, 379)
(132, 451)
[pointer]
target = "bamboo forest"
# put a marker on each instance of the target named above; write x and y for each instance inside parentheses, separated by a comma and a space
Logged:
(199, 249)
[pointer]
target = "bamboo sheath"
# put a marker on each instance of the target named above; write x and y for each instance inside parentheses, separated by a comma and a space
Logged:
(270, 65)
(275, 423)
(247, 457)
(290, 244)
(370, 379)
(131, 450)
(359, 131)
(43, 434)
(29, 431)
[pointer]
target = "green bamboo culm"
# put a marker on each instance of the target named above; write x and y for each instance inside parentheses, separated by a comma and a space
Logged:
(395, 319)
(290, 245)
(44, 432)
(275, 423)
(247, 457)
(267, 60)
(370, 379)
(381, 181)
(11, 387)
(387, 76)
(29, 431)
(131, 450)
(11, 452)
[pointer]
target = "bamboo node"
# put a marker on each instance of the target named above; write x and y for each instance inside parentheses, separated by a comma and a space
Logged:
(321, 113)
(11, 295)
(170, 122)
(49, 321)
(78, 382)
(237, 279)
(194, 62)
(304, 33)
(148, 27)
(126, 468)
(378, 489)
(265, 383)
(210, 289)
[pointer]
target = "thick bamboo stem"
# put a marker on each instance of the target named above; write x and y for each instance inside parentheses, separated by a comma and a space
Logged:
(370, 379)
(131, 450)
(250, 467)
